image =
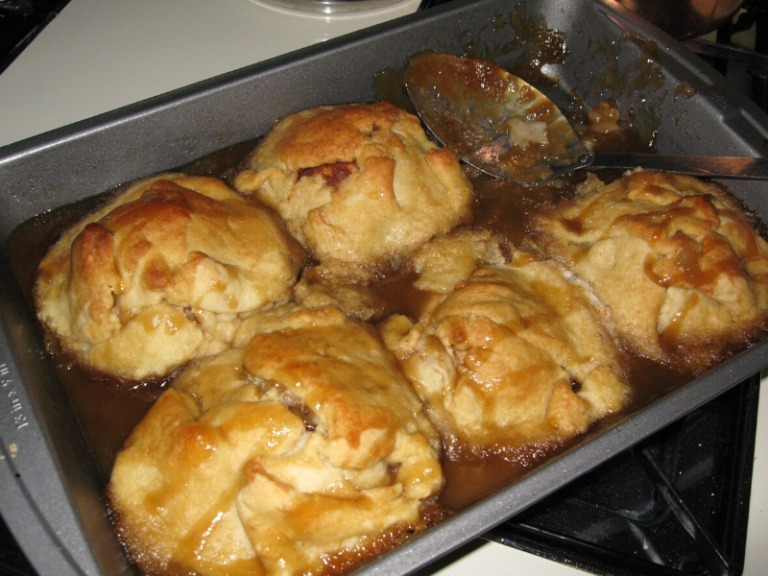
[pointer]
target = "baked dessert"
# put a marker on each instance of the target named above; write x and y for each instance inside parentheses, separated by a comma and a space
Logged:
(513, 360)
(161, 275)
(359, 185)
(302, 451)
(674, 260)
(447, 260)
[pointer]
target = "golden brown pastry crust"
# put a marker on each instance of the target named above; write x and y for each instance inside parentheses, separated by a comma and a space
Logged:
(304, 447)
(681, 272)
(447, 260)
(161, 274)
(360, 185)
(513, 358)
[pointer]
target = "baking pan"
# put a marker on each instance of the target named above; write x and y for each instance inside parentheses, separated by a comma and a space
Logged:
(50, 492)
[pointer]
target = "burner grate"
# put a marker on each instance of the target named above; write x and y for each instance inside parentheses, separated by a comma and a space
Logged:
(13, 562)
(740, 51)
(20, 22)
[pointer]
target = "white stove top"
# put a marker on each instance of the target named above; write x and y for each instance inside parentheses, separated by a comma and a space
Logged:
(98, 55)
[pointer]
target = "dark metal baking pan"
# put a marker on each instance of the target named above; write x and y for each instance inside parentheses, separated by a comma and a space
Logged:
(50, 492)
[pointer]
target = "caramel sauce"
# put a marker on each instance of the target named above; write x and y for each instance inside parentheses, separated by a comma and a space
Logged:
(398, 294)
(470, 478)
(503, 206)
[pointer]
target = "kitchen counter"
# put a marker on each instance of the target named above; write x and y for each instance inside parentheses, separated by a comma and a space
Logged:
(98, 55)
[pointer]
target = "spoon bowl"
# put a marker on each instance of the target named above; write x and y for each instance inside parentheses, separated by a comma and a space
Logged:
(503, 126)
(493, 120)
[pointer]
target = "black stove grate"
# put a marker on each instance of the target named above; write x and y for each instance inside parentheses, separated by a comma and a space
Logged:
(12, 559)
(746, 66)
(677, 504)
(20, 22)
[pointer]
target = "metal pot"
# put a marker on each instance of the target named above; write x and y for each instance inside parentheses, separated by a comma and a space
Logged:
(685, 18)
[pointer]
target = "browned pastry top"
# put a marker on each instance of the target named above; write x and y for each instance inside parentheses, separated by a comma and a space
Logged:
(513, 357)
(304, 451)
(682, 273)
(360, 185)
(160, 274)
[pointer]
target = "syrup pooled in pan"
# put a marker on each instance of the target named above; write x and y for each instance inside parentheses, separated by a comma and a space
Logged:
(108, 409)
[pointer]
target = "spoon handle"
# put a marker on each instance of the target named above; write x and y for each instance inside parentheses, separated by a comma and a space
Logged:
(755, 168)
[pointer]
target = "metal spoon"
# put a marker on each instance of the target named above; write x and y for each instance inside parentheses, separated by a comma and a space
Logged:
(503, 126)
